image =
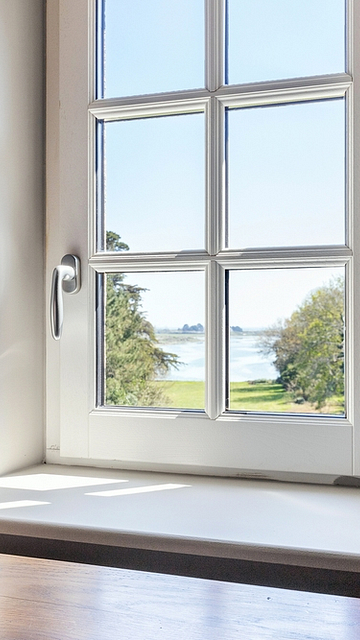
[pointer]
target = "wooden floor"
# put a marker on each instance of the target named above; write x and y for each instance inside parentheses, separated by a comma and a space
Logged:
(50, 600)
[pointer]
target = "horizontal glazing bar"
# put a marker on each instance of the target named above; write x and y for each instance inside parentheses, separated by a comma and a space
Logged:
(256, 95)
(312, 88)
(284, 262)
(103, 262)
(151, 262)
(151, 105)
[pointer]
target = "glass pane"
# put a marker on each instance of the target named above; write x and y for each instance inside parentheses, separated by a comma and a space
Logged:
(155, 182)
(286, 175)
(154, 340)
(152, 46)
(287, 340)
(274, 39)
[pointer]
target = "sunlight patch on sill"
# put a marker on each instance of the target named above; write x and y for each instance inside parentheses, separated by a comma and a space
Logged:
(21, 503)
(126, 492)
(49, 482)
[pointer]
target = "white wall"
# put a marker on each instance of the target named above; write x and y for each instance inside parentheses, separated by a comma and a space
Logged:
(21, 233)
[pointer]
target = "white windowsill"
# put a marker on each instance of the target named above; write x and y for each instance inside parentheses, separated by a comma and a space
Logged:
(263, 521)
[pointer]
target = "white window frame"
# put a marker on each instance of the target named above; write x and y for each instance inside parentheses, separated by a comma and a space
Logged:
(214, 442)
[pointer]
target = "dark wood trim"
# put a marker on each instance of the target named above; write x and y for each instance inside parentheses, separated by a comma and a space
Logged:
(315, 580)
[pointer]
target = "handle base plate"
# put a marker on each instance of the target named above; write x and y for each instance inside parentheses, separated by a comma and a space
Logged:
(73, 285)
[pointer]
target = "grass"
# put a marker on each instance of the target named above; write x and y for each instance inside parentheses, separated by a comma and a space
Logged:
(261, 396)
(270, 396)
(184, 395)
(246, 396)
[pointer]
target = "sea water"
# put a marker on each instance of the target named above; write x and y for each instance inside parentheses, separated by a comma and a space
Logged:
(246, 360)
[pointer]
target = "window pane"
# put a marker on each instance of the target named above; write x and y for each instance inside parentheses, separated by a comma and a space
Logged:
(287, 340)
(153, 46)
(155, 182)
(154, 340)
(286, 174)
(273, 39)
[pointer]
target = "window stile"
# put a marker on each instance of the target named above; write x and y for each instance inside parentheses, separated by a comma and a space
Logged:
(354, 67)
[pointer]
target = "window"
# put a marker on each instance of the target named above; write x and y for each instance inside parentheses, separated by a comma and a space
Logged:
(229, 176)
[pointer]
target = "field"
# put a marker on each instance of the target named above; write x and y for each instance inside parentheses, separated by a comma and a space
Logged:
(245, 396)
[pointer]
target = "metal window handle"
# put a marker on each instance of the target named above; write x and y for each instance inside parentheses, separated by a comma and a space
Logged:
(65, 277)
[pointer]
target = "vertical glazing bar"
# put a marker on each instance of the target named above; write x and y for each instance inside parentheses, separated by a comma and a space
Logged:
(100, 50)
(349, 341)
(349, 120)
(215, 341)
(100, 339)
(225, 182)
(97, 213)
(215, 213)
(349, 37)
(226, 43)
(227, 342)
(215, 221)
(214, 44)
(100, 186)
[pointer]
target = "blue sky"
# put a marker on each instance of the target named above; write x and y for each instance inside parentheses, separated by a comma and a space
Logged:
(158, 45)
(258, 298)
(272, 39)
(155, 184)
(153, 46)
(286, 164)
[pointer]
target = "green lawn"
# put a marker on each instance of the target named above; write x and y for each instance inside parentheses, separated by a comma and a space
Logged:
(186, 395)
(261, 396)
(244, 396)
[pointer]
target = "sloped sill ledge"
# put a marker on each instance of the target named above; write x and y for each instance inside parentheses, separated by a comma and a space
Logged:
(293, 536)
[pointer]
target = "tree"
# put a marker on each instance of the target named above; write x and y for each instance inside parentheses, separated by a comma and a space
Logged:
(113, 242)
(133, 358)
(309, 346)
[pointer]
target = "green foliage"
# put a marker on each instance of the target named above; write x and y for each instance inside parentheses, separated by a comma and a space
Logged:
(113, 242)
(133, 358)
(309, 346)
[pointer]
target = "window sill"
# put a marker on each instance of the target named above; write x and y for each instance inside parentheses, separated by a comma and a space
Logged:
(294, 536)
